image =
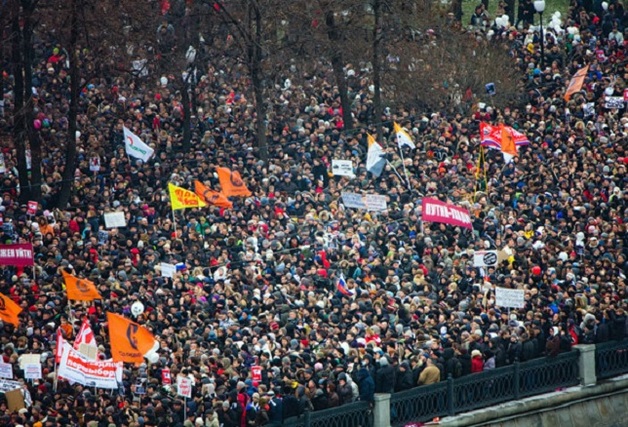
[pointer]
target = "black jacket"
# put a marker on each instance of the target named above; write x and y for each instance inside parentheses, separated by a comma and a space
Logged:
(385, 379)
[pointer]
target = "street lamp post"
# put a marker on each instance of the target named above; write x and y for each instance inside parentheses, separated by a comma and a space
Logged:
(539, 6)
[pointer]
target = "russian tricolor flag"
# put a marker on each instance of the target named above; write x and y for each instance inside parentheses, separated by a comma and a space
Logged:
(341, 286)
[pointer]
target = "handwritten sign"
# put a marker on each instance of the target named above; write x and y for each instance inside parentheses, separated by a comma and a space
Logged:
(184, 386)
(514, 298)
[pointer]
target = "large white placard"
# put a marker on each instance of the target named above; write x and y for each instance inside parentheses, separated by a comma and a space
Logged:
(342, 168)
(115, 220)
(375, 202)
(371, 202)
(513, 298)
(29, 358)
(7, 385)
(614, 102)
(32, 371)
(184, 386)
(485, 258)
(353, 200)
(92, 373)
(168, 270)
(6, 370)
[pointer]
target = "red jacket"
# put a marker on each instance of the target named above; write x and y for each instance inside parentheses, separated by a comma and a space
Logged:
(477, 364)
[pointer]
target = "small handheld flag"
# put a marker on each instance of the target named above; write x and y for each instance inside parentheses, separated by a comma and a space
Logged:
(342, 287)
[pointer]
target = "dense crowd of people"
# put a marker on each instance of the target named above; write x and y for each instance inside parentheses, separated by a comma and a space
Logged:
(258, 286)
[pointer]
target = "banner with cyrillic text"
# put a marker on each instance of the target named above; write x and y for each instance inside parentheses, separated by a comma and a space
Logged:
(436, 211)
(17, 254)
(92, 373)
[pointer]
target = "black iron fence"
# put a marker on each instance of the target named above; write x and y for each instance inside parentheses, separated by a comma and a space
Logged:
(357, 414)
(484, 389)
(475, 391)
(611, 359)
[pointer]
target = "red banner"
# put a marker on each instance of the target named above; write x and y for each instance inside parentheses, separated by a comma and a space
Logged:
(16, 255)
(436, 211)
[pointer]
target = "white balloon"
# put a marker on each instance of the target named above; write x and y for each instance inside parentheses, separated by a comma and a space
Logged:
(164, 81)
(152, 358)
(605, 5)
(137, 308)
(78, 134)
(609, 91)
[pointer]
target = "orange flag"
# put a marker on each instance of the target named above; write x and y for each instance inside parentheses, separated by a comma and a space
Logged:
(576, 82)
(129, 341)
(509, 149)
(80, 289)
(9, 310)
(231, 183)
(210, 196)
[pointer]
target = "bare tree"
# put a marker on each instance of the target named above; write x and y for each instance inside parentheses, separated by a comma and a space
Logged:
(24, 135)
(248, 18)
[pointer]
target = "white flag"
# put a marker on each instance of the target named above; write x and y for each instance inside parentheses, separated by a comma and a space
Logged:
(375, 160)
(136, 147)
(403, 138)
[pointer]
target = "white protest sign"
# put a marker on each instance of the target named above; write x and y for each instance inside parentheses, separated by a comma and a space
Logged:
(485, 258)
(342, 168)
(29, 358)
(6, 385)
(614, 102)
(3, 165)
(6, 370)
(32, 371)
(184, 386)
(371, 202)
(353, 200)
(92, 373)
(375, 202)
(168, 270)
(94, 164)
(513, 298)
(114, 220)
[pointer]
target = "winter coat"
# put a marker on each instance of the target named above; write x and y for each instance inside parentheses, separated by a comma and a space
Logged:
(477, 364)
(385, 379)
(366, 386)
(403, 380)
(430, 375)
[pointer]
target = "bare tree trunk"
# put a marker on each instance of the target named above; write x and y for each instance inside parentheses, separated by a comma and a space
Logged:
(34, 138)
(185, 99)
(377, 79)
(19, 120)
(255, 70)
(70, 149)
(337, 64)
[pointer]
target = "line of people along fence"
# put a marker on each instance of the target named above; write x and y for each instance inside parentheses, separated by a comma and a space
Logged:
(484, 389)
(455, 396)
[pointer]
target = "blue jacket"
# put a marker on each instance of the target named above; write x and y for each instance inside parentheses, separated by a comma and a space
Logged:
(366, 385)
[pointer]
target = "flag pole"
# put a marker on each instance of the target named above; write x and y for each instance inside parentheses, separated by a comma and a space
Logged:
(56, 380)
(174, 222)
(396, 172)
(403, 163)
